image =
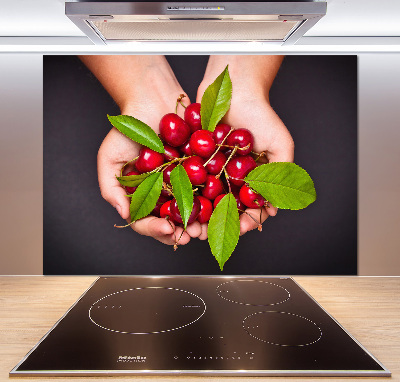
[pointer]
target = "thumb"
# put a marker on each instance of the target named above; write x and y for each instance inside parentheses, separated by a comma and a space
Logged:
(200, 92)
(282, 151)
(282, 147)
(110, 188)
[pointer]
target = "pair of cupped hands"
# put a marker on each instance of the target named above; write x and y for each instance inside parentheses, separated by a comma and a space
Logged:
(155, 95)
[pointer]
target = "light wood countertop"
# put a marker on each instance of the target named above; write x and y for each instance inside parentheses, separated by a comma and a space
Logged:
(367, 307)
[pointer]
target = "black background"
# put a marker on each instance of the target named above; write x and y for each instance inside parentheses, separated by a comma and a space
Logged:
(316, 97)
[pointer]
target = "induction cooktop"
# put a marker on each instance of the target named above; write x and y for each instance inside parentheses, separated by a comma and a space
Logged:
(253, 326)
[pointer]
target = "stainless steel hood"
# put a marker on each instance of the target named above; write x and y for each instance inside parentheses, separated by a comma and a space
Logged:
(273, 22)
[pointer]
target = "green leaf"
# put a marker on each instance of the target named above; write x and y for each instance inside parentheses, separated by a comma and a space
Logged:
(145, 197)
(286, 185)
(183, 193)
(224, 229)
(138, 131)
(216, 101)
(133, 180)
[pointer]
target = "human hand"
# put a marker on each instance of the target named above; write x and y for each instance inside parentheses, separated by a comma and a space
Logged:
(252, 77)
(152, 95)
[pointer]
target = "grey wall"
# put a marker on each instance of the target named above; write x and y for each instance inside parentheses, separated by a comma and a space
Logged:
(21, 164)
(379, 164)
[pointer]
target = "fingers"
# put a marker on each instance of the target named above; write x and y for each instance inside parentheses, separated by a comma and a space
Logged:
(204, 234)
(194, 229)
(182, 236)
(272, 211)
(251, 219)
(161, 230)
(167, 233)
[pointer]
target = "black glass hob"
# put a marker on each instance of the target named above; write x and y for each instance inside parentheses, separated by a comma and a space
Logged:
(249, 326)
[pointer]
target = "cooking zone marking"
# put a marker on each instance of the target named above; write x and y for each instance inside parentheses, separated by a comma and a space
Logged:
(128, 309)
(262, 325)
(227, 291)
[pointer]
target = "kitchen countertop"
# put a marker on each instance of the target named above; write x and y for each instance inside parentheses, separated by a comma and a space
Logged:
(367, 307)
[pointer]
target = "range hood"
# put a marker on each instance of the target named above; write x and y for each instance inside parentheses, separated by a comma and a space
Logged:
(273, 22)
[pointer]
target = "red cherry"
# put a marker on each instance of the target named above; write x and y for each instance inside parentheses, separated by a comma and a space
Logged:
(194, 167)
(214, 166)
(176, 215)
(161, 200)
(241, 138)
(165, 209)
(131, 190)
(251, 198)
(238, 167)
(235, 189)
(240, 205)
(170, 153)
(166, 194)
(206, 209)
(217, 199)
(174, 130)
(202, 143)
(167, 172)
(220, 132)
(148, 160)
(227, 151)
(213, 187)
(192, 117)
(186, 149)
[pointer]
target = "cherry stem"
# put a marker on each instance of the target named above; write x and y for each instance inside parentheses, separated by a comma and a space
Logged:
(173, 228)
(218, 147)
(232, 177)
(123, 226)
(179, 101)
(165, 165)
(177, 241)
(227, 180)
(233, 147)
(168, 189)
(180, 160)
(122, 168)
(230, 157)
(259, 155)
(261, 208)
(259, 226)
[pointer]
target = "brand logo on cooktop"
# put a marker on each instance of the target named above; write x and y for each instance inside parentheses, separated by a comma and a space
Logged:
(131, 358)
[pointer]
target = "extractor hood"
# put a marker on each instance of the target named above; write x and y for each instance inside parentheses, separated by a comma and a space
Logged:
(272, 22)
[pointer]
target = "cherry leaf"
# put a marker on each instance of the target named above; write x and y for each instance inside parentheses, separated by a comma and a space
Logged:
(133, 180)
(224, 229)
(285, 185)
(138, 131)
(216, 101)
(183, 193)
(144, 199)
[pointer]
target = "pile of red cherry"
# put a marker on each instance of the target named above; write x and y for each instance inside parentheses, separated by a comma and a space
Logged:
(206, 156)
